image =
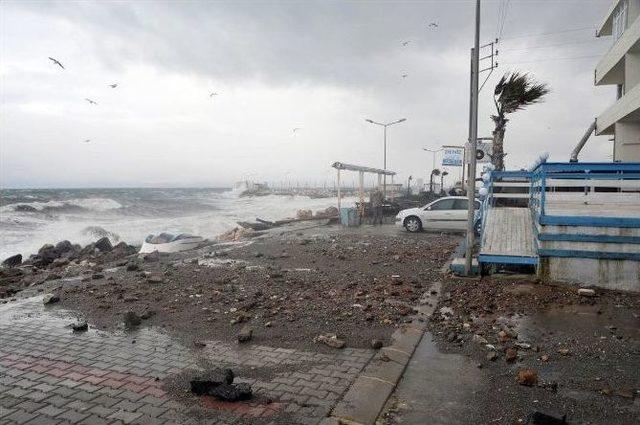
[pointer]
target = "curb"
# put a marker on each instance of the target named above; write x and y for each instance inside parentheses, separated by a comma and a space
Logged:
(368, 394)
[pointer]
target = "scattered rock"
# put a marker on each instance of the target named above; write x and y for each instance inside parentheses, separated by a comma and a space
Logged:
(585, 292)
(376, 344)
(13, 261)
(131, 320)
(64, 246)
(544, 358)
(511, 355)
(245, 334)
(492, 355)
(564, 351)
(133, 267)
(80, 326)
(155, 278)
(202, 384)
(331, 340)
(527, 377)
(147, 314)
(50, 299)
(97, 276)
(152, 257)
(232, 392)
(479, 339)
(199, 344)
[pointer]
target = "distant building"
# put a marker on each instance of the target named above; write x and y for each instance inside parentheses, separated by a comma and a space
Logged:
(621, 66)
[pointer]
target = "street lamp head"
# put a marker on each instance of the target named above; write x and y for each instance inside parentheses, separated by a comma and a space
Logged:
(402, 119)
(368, 120)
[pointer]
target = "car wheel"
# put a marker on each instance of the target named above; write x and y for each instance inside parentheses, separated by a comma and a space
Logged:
(413, 224)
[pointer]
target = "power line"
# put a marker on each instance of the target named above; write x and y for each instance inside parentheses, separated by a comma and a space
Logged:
(504, 18)
(549, 33)
(550, 45)
(554, 59)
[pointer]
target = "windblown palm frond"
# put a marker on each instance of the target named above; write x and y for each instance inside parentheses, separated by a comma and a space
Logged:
(514, 91)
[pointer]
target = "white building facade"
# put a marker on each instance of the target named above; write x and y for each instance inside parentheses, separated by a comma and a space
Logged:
(620, 66)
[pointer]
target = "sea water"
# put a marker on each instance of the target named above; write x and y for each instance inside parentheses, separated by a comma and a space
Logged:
(30, 218)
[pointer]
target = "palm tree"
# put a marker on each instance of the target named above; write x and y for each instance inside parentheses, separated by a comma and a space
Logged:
(513, 92)
(434, 172)
(442, 176)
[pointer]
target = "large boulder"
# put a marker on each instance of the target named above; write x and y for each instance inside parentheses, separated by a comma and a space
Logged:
(103, 244)
(47, 254)
(13, 261)
(64, 246)
(123, 250)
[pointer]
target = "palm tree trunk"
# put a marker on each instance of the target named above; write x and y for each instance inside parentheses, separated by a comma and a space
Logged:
(431, 183)
(497, 157)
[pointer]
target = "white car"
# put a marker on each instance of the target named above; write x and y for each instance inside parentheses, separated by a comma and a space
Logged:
(447, 213)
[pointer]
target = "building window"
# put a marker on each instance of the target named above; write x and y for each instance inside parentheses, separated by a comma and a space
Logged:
(620, 20)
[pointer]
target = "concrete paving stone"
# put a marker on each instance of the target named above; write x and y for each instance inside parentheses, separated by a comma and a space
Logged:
(154, 401)
(357, 403)
(130, 395)
(50, 410)
(7, 401)
(87, 388)
(64, 391)
(26, 383)
(79, 405)
(126, 405)
(37, 395)
(101, 411)
(15, 372)
(6, 411)
(57, 400)
(73, 416)
(152, 411)
(8, 380)
(45, 387)
(19, 416)
(69, 383)
(30, 406)
(125, 416)
(112, 392)
(105, 400)
(94, 420)
(43, 420)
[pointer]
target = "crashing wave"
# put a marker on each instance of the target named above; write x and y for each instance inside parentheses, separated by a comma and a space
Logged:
(71, 205)
(98, 232)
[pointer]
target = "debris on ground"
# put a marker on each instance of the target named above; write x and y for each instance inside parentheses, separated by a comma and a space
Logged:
(131, 320)
(80, 326)
(331, 340)
(50, 299)
(539, 418)
(245, 334)
(585, 292)
(527, 377)
(219, 383)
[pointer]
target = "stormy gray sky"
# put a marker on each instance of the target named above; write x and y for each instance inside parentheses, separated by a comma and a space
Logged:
(321, 66)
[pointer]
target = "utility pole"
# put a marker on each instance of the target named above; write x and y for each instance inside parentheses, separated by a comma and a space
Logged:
(473, 141)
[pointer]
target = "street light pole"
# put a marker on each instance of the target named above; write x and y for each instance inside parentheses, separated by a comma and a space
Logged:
(384, 184)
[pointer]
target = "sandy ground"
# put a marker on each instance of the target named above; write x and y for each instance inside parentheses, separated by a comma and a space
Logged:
(289, 287)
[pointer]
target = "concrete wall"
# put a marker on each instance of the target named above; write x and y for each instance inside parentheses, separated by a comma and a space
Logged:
(610, 274)
(627, 141)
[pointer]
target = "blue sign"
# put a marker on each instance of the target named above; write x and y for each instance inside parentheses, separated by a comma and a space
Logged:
(452, 157)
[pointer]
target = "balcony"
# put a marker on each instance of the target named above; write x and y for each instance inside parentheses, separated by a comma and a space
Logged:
(627, 107)
(610, 69)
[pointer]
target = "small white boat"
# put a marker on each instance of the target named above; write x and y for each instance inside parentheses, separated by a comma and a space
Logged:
(165, 242)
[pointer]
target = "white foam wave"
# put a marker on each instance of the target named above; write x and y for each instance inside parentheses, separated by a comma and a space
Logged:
(92, 204)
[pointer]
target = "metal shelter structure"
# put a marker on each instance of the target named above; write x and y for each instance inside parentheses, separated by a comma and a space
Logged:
(339, 166)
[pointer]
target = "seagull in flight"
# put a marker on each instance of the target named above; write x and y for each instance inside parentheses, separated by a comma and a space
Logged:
(433, 25)
(405, 75)
(406, 43)
(296, 129)
(87, 141)
(213, 94)
(57, 62)
(92, 102)
(114, 85)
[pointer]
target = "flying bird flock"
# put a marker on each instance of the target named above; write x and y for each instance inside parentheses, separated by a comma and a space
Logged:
(54, 61)
(431, 26)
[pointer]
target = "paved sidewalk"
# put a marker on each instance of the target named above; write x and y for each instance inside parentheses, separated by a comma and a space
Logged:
(49, 375)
